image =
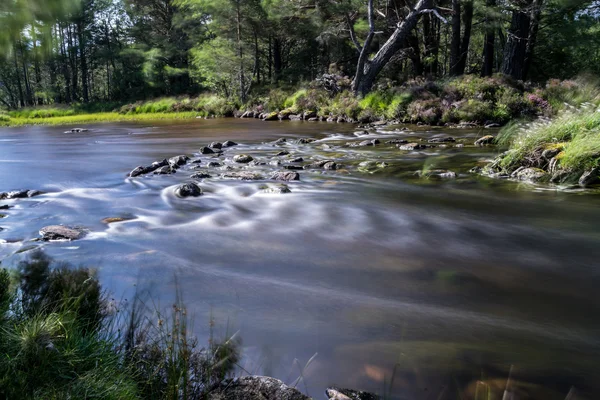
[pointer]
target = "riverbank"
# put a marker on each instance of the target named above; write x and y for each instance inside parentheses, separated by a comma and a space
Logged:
(561, 151)
(468, 100)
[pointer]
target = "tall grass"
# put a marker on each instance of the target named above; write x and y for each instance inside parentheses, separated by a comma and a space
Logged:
(58, 340)
(98, 118)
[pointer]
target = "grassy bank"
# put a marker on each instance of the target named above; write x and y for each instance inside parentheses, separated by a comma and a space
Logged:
(61, 338)
(470, 98)
(96, 118)
(561, 150)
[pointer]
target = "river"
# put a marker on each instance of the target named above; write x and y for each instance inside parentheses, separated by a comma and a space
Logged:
(437, 283)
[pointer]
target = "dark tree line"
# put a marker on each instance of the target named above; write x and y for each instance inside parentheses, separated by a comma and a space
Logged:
(65, 51)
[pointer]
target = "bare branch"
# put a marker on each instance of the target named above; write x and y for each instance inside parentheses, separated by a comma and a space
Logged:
(436, 13)
(353, 33)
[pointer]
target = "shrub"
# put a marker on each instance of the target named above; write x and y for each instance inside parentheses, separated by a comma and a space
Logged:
(426, 111)
(398, 105)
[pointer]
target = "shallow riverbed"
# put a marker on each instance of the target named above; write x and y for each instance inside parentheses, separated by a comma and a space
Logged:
(442, 281)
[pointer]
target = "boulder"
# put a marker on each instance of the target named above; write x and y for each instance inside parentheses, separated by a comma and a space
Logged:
(207, 150)
(530, 174)
(371, 166)
(295, 117)
(331, 166)
(297, 159)
(254, 388)
(283, 153)
(274, 116)
(308, 115)
(178, 160)
(229, 143)
(487, 139)
(278, 189)
(293, 167)
(60, 232)
(317, 164)
(348, 394)
(280, 141)
(447, 139)
(397, 141)
(19, 194)
(305, 141)
(198, 161)
(189, 189)
(412, 146)
(243, 175)
(200, 175)
(214, 164)
(438, 174)
(589, 178)
(242, 158)
(139, 170)
(285, 176)
(216, 145)
(166, 170)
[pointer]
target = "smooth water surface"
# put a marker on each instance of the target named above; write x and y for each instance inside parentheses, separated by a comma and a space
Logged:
(436, 283)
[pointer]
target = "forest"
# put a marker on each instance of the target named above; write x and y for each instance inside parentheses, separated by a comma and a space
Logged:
(120, 51)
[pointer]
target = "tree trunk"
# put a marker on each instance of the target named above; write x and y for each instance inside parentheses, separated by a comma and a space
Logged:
(513, 63)
(18, 75)
(367, 72)
(536, 14)
(466, 39)
(488, 45)
(415, 55)
(73, 62)
(431, 40)
(83, 61)
(64, 65)
(277, 62)
(455, 43)
(240, 52)
(28, 92)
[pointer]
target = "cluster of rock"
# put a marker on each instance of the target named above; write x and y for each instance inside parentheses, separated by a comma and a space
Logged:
(288, 115)
(61, 233)
(19, 194)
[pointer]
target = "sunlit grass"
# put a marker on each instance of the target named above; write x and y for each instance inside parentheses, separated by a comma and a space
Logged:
(97, 118)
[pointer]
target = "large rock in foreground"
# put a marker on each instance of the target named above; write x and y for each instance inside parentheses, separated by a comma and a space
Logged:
(255, 388)
(60, 232)
(348, 394)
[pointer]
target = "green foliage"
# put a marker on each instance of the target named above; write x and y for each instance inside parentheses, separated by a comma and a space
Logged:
(292, 101)
(57, 342)
(398, 105)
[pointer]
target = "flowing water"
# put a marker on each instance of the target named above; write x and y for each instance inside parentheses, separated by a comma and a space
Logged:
(431, 283)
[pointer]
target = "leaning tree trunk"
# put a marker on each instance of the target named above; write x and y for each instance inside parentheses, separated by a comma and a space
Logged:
(455, 43)
(367, 71)
(516, 44)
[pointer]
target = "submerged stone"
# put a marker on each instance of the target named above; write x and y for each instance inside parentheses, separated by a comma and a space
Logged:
(487, 139)
(243, 175)
(286, 176)
(229, 143)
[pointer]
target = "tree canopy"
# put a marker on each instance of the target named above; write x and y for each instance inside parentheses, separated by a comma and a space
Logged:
(65, 51)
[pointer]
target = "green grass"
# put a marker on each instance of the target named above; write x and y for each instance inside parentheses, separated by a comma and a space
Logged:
(60, 338)
(97, 118)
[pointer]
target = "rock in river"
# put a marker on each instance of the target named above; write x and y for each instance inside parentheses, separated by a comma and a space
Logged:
(243, 175)
(286, 176)
(412, 146)
(19, 194)
(487, 139)
(229, 143)
(242, 158)
(530, 174)
(255, 388)
(179, 160)
(216, 145)
(166, 170)
(278, 189)
(59, 232)
(207, 150)
(200, 175)
(188, 190)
